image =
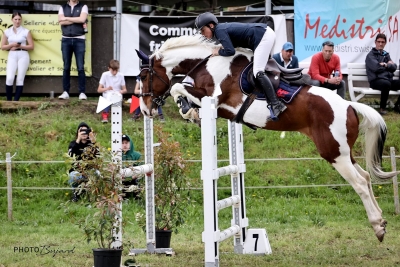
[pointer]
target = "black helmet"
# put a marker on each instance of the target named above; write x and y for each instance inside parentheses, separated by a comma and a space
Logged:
(204, 19)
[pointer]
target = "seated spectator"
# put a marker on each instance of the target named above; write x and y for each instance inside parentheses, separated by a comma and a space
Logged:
(129, 154)
(136, 114)
(111, 81)
(84, 139)
(380, 69)
(322, 65)
(286, 58)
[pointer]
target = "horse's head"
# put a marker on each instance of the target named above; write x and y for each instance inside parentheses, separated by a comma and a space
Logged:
(154, 84)
(176, 56)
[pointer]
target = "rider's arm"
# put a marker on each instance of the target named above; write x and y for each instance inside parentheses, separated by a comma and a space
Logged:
(228, 48)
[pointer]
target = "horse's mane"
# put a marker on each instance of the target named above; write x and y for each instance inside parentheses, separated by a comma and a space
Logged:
(181, 41)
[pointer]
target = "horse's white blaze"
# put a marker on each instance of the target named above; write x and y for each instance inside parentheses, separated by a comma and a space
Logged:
(339, 108)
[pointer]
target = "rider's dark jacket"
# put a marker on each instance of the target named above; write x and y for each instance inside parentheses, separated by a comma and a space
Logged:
(235, 34)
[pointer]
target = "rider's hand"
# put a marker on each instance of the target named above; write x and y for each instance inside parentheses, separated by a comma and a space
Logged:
(215, 52)
(92, 137)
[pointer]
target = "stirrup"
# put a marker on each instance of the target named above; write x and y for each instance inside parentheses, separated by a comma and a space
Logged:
(276, 110)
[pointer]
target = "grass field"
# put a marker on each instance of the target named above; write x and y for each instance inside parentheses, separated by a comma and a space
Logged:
(306, 226)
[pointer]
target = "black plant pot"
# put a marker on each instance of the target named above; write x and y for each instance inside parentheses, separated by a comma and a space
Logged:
(163, 238)
(104, 257)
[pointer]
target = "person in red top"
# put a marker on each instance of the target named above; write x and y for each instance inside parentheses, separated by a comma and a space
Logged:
(323, 64)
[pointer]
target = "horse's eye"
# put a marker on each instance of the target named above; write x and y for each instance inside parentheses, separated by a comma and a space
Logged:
(143, 78)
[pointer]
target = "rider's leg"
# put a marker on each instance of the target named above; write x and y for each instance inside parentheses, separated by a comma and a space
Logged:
(277, 107)
(261, 55)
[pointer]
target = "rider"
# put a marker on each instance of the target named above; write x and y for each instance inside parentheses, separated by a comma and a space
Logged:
(256, 36)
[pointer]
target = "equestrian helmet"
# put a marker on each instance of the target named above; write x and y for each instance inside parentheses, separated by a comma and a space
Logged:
(204, 19)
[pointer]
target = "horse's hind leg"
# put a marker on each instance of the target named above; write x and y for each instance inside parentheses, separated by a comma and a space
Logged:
(363, 188)
(367, 177)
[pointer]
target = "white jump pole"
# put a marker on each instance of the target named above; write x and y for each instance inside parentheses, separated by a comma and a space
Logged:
(257, 241)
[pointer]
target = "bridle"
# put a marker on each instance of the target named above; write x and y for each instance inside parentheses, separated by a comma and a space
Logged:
(160, 100)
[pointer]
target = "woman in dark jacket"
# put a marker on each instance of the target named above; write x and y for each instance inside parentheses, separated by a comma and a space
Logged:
(380, 68)
(84, 139)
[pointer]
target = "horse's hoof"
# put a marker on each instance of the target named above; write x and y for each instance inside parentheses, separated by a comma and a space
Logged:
(381, 234)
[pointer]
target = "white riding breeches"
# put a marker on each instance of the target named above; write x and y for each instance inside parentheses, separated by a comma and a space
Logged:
(17, 60)
(263, 50)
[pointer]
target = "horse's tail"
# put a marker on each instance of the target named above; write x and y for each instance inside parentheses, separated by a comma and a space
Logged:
(374, 129)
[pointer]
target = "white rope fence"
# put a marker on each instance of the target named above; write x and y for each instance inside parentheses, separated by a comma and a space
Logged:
(9, 187)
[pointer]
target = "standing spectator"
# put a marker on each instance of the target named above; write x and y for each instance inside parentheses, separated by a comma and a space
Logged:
(380, 68)
(111, 81)
(17, 40)
(72, 16)
(286, 58)
(136, 114)
(323, 64)
(84, 139)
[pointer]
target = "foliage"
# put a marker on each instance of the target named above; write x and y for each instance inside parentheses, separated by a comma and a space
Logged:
(103, 187)
(171, 184)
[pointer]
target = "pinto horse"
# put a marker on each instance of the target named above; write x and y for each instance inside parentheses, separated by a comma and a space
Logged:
(331, 122)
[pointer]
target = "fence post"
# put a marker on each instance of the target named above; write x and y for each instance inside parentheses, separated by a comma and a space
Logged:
(395, 184)
(9, 186)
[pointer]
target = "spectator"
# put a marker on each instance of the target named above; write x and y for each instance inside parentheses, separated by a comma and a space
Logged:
(286, 58)
(111, 81)
(256, 36)
(380, 69)
(321, 67)
(17, 40)
(129, 154)
(136, 114)
(84, 139)
(72, 16)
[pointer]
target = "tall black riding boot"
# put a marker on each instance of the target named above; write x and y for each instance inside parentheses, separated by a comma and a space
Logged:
(275, 105)
(9, 91)
(18, 92)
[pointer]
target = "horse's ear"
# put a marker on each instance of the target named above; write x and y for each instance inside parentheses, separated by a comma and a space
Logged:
(143, 57)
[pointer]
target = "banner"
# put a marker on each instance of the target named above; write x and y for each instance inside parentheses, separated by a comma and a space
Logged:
(351, 25)
(149, 33)
(46, 57)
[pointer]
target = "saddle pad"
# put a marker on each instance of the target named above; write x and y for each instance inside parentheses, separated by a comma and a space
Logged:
(285, 91)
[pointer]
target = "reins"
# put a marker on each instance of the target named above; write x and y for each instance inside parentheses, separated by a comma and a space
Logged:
(160, 100)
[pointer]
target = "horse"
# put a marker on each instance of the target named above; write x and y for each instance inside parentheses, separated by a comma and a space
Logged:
(331, 122)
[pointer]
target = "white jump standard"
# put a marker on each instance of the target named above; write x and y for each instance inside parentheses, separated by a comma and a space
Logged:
(246, 241)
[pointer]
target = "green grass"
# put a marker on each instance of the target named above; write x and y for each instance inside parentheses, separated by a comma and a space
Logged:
(319, 226)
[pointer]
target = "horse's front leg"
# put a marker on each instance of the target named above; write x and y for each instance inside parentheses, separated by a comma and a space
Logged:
(182, 96)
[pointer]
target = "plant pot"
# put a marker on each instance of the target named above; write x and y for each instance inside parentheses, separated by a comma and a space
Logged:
(163, 238)
(104, 257)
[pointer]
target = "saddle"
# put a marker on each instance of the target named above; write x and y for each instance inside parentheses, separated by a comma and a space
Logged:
(276, 73)
(286, 82)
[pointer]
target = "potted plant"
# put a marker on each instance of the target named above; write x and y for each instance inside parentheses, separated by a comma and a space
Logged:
(171, 184)
(102, 188)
